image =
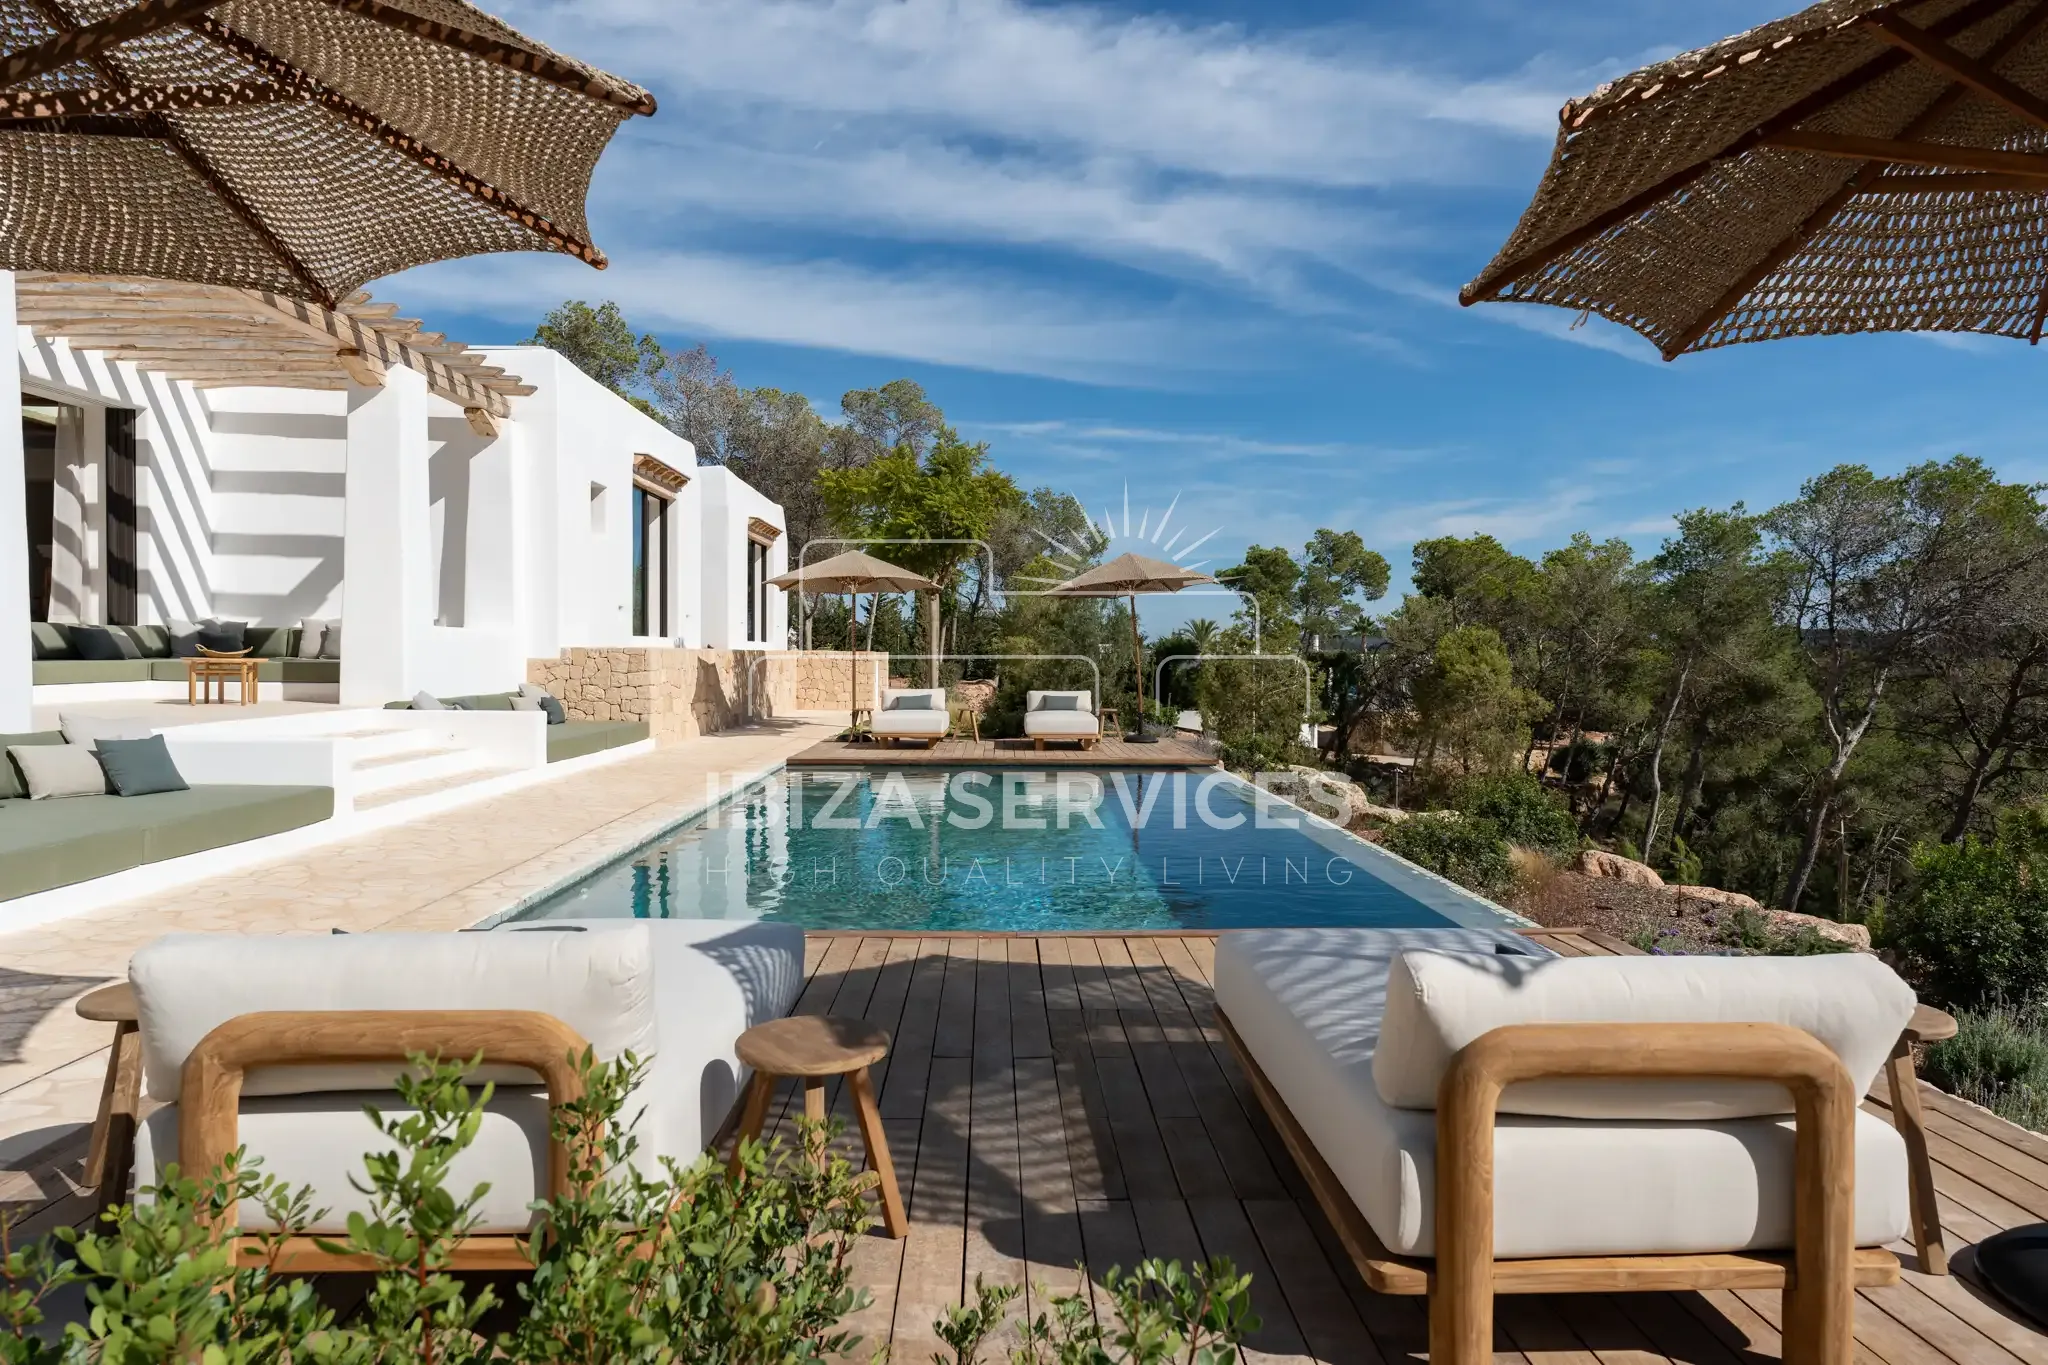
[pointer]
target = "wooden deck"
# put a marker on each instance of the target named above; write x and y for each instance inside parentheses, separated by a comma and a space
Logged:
(1003, 753)
(1061, 1100)
(1066, 1100)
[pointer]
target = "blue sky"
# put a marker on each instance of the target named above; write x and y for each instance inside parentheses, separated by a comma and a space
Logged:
(1208, 250)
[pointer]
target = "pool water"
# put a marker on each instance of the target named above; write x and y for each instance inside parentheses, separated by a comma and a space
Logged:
(939, 849)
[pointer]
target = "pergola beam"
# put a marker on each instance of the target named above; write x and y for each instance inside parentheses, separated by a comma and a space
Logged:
(539, 65)
(173, 328)
(86, 42)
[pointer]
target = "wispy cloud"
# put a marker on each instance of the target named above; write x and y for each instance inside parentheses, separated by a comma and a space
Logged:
(933, 316)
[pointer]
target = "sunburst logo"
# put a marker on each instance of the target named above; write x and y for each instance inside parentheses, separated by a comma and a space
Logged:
(1072, 560)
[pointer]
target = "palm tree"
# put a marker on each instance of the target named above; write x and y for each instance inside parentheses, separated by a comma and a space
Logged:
(1203, 632)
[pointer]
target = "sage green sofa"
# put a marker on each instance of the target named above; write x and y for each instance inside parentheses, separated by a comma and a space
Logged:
(56, 660)
(66, 840)
(571, 739)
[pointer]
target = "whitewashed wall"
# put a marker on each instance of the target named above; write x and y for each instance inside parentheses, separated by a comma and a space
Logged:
(512, 548)
(729, 504)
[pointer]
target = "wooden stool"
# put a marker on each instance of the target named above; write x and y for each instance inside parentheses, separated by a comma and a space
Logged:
(111, 1158)
(1928, 1025)
(817, 1048)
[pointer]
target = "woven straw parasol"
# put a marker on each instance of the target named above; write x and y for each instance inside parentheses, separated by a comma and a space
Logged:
(1127, 576)
(853, 573)
(301, 147)
(1856, 167)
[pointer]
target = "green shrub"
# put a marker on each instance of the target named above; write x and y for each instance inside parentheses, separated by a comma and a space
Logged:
(1159, 1315)
(1999, 1059)
(1973, 927)
(1522, 810)
(1467, 850)
(1685, 865)
(721, 1271)
(749, 1270)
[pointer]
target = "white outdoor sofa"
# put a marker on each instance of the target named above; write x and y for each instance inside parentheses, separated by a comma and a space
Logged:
(277, 1042)
(916, 713)
(1061, 715)
(1477, 1116)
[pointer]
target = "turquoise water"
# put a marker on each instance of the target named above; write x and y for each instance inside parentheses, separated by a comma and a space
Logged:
(947, 850)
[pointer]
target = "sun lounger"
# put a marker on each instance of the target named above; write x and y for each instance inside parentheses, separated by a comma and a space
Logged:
(916, 713)
(1476, 1118)
(277, 1042)
(1061, 715)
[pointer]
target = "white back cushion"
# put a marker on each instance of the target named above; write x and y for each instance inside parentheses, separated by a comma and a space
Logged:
(599, 982)
(1439, 1002)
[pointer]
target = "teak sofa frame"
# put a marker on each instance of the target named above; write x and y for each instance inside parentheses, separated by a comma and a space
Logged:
(209, 1102)
(1819, 1278)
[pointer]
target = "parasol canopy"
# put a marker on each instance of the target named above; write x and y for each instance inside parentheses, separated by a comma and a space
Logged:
(1127, 576)
(853, 573)
(300, 147)
(1860, 166)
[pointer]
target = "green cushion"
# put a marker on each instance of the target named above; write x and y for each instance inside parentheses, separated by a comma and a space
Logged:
(153, 641)
(166, 670)
(487, 701)
(578, 738)
(139, 767)
(44, 672)
(272, 642)
(49, 640)
(46, 844)
(10, 776)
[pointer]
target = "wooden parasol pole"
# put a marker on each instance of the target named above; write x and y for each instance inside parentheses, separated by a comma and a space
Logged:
(1138, 661)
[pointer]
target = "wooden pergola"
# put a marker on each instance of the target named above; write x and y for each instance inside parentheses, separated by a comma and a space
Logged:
(218, 337)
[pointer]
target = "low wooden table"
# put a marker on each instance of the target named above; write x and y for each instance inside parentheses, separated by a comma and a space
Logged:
(1928, 1025)
(111, 1159)
(816, 1048)
(206, 678)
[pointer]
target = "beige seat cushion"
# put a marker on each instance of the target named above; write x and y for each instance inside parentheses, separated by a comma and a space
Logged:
(1439, 1002)
(1061, 724)
(912, 712)
(1308, 1003)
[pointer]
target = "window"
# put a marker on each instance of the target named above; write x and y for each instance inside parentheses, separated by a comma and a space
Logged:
(757, 591)
(650, 562)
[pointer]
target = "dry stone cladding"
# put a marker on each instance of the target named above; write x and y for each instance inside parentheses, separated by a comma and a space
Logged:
(684, 693)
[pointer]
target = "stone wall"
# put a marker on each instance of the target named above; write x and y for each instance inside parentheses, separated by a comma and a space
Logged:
(683, 693)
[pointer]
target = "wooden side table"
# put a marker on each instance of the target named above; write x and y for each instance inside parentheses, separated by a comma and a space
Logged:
(817, 1048)
(1929, 1025)
(111, 1159)
(206, 678)
(1107, 721)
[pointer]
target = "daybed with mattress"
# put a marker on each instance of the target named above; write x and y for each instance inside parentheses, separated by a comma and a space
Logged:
(1061, 715)
(914, 713)
(220, 1013)
(1663, 1153)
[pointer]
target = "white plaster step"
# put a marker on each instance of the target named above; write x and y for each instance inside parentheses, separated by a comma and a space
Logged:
(385, 758)
(364, 745)
(414, 766)
(415, 791)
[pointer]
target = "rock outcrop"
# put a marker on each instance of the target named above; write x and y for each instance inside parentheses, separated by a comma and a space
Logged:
(1598, 862)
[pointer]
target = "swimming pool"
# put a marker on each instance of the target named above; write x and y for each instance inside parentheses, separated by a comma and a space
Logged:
(934, 850)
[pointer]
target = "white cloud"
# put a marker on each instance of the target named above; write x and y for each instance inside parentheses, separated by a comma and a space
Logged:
(924, 189)
(932, 316)
(1317, 107)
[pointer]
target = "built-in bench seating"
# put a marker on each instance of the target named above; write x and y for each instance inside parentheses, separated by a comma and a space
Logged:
(571, 739)
(66, 840)
(56, 660)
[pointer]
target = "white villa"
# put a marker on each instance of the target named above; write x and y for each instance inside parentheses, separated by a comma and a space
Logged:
(473, 520)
